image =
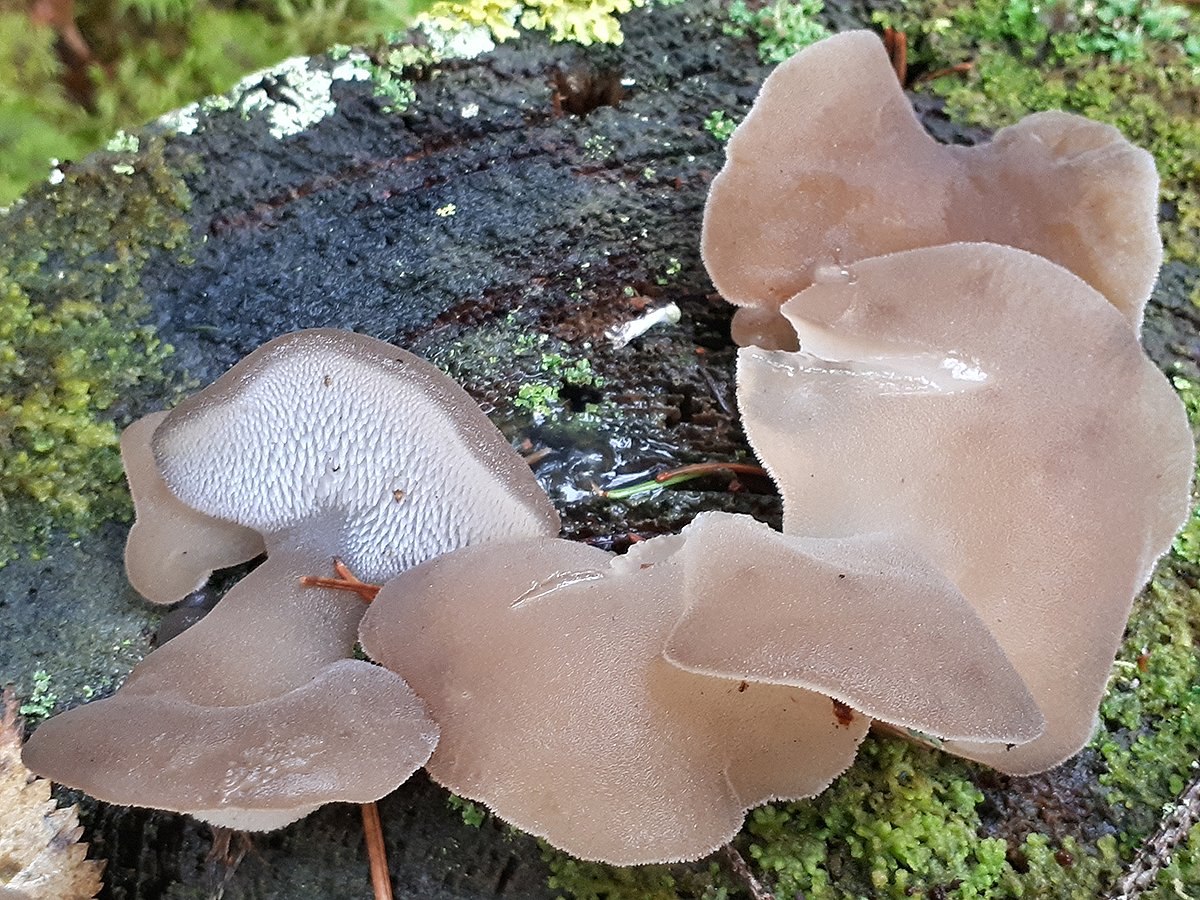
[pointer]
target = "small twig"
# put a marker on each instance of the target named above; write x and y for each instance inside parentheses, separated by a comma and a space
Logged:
(381, 879)
(1155, 853)
(695, 470)
(346, 581)
(678, 476)
(229, 848)
(896, 44)
(742, 870)
(958, 69)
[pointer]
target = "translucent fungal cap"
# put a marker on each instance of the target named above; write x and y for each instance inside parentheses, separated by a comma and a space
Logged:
(331, 439)
(328, 444)
(991, 411)
(832, 166)
(542, 661)
(173, 548)
(631, 709)
(861, 618)
(250, 719)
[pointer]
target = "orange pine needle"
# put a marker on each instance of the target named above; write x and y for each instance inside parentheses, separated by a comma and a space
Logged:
(346, 581)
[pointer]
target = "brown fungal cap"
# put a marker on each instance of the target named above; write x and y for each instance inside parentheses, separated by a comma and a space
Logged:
(352, 445)
(251, 718)
(172, 548)
(832, 166)
(992, 411)
(859, 618)
(542, 663)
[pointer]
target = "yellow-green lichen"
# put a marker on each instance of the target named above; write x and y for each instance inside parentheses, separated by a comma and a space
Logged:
(581, 21)
(71, 339)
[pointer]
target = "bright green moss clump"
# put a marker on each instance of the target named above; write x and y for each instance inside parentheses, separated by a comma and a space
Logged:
(1151, 714)
(155, 56)
(1152, 711)
(1184, 870)
(783, 28)
(597, 881)
(1187, 542)
(901, 823)
(70, 339)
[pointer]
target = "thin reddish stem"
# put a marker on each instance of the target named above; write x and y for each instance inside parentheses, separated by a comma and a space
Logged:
(705, 468)
(346, 581)
(896, 43)
(381, 879)
(958, 69)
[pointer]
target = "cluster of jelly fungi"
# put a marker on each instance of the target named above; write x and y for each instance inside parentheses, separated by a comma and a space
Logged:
(921, 330)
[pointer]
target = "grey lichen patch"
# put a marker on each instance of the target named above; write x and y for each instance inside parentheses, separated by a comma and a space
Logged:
(293, 96)
(299, 98)
(462, 41)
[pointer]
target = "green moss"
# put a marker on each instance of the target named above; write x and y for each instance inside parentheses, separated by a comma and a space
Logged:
(41, 699)
(783, 28)
(598, 881)
(1085, 876)
(1183, 872)
(719, 125)
(542, 395)
(1152, 711)
(1151, 714)
(1187, 542)
(158, 55)
(472, 813)
(71, 340)
(901, 823)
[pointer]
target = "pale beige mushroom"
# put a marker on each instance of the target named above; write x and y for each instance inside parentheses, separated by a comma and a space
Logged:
(631, 709)
(347, 444)
(329, 444)
(990, 410)
(859, 618)
(542, 663)
(172, 548)
(250, 719)
(832, 166)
